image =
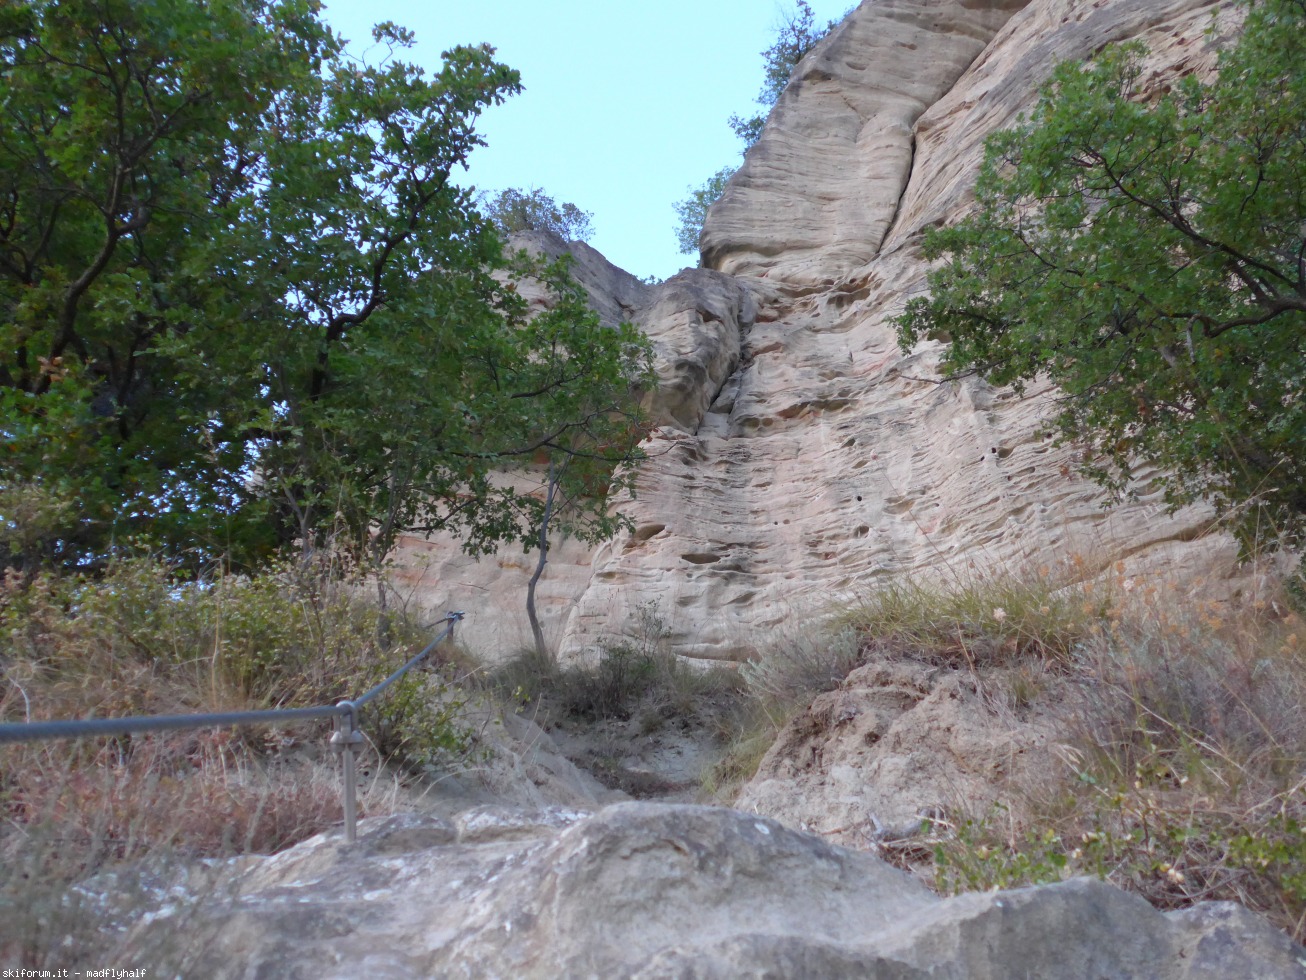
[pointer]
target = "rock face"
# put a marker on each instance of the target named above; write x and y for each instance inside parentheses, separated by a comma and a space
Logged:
(647, 890)
(830, 460)
(696, 321)
(802, 457)
(831, 165)
(897, 741)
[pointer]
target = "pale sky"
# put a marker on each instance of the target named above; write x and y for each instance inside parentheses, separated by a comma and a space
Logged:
(625, 102)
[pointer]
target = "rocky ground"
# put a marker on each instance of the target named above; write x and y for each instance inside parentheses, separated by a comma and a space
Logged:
(658, 890)
(580, 848)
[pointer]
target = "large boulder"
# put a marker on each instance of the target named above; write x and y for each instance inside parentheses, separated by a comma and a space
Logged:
(648, 890)
(900, 740)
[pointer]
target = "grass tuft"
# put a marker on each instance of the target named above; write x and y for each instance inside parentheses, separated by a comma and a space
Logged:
(999, 619)
(1182, 773)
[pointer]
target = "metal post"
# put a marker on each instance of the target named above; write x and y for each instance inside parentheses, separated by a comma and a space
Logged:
(343, 740)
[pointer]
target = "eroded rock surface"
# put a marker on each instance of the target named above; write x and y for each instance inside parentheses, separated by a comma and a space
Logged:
(830, 167)
(897, 742)
(831, 460)
(646, 890)
(695, 320)
(801, 456)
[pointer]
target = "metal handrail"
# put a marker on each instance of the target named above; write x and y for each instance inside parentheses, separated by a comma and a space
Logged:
(344, 739)
(33, 731)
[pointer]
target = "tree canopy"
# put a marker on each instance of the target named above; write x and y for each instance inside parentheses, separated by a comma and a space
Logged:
(516, 210)
(243, 300)
(1147, 252)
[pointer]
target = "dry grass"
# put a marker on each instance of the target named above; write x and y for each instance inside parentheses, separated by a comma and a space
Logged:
(1030, 624)
(1184, 775)
(137, 641)
(998, 619)
(797, 667)
(778, 683)
(753, 729)
(1183, 772)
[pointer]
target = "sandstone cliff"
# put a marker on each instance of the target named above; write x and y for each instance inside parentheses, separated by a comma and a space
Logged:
(801, 456)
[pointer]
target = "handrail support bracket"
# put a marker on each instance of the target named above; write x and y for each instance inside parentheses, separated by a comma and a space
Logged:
(343, 740)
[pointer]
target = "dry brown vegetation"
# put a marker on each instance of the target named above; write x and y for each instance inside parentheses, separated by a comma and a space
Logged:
(139, 641)
(1183, 763)
(1182, 772)
(1182, 759)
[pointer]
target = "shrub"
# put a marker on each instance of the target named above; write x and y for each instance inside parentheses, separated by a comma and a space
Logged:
(139, 640)
(1182, 773)
(515, 210)
(634, 674)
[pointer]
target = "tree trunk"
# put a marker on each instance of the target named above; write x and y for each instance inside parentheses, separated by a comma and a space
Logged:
(540, 648)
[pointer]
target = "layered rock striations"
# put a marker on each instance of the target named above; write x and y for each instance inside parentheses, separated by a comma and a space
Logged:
(831, 460)
(801, 457)
(697, 321)
(830, 166)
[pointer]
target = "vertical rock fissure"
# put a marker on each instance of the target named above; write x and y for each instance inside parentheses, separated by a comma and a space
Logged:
(906, 185)
(734, 370)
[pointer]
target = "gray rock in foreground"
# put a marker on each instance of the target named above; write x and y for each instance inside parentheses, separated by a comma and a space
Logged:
(653, 890)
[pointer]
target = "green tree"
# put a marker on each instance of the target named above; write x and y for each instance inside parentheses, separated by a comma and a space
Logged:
(795, 37)
(693, 210)
(1147, 255)
(243, 302)
(514, 210)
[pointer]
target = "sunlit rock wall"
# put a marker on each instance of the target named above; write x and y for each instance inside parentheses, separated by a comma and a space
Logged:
(802, 457)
